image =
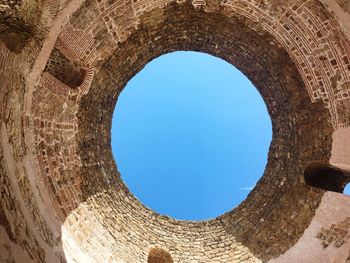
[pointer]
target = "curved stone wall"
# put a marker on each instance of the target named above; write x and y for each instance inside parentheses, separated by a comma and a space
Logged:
(62, 198)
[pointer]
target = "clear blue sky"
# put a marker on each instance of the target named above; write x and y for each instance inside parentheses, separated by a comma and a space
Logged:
(190, 136)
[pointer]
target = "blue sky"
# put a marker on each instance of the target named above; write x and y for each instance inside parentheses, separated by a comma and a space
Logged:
(190, 136)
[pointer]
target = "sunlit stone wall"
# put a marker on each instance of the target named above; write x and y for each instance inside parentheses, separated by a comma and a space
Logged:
(62, 198)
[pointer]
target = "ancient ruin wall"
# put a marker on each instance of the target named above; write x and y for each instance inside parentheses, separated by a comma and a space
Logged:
(62, 198)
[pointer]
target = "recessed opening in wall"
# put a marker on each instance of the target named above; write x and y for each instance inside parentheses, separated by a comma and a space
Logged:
(158, 255)
(190, 135)
(65, 70)
(327, 177)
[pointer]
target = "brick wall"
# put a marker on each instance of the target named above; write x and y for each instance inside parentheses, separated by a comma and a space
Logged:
(62, 197)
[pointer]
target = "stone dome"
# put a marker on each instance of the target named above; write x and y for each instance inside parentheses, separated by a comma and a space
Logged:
(63, 65)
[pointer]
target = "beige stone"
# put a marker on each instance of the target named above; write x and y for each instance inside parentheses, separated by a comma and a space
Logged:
(63, 65)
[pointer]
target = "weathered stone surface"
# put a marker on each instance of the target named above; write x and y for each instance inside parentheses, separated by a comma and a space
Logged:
(62, 198)
(344, 4)
(18, 22)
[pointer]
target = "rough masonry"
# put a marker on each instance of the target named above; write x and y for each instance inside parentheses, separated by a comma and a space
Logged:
(63, 65)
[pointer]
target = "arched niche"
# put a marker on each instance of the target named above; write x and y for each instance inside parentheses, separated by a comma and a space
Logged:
(159, 255)
(326, 177)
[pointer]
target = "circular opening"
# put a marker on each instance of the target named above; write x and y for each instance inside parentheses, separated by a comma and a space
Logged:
(190, 135)
(347, 189)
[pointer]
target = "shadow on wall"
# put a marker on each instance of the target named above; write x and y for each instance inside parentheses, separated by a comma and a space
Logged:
(63, 69)
(158, 255)
(327, 177)
(19, 20)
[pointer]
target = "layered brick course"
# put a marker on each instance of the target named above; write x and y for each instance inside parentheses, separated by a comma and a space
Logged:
(62, 197)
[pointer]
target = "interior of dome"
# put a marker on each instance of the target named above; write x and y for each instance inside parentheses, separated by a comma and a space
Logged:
(63, 66)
